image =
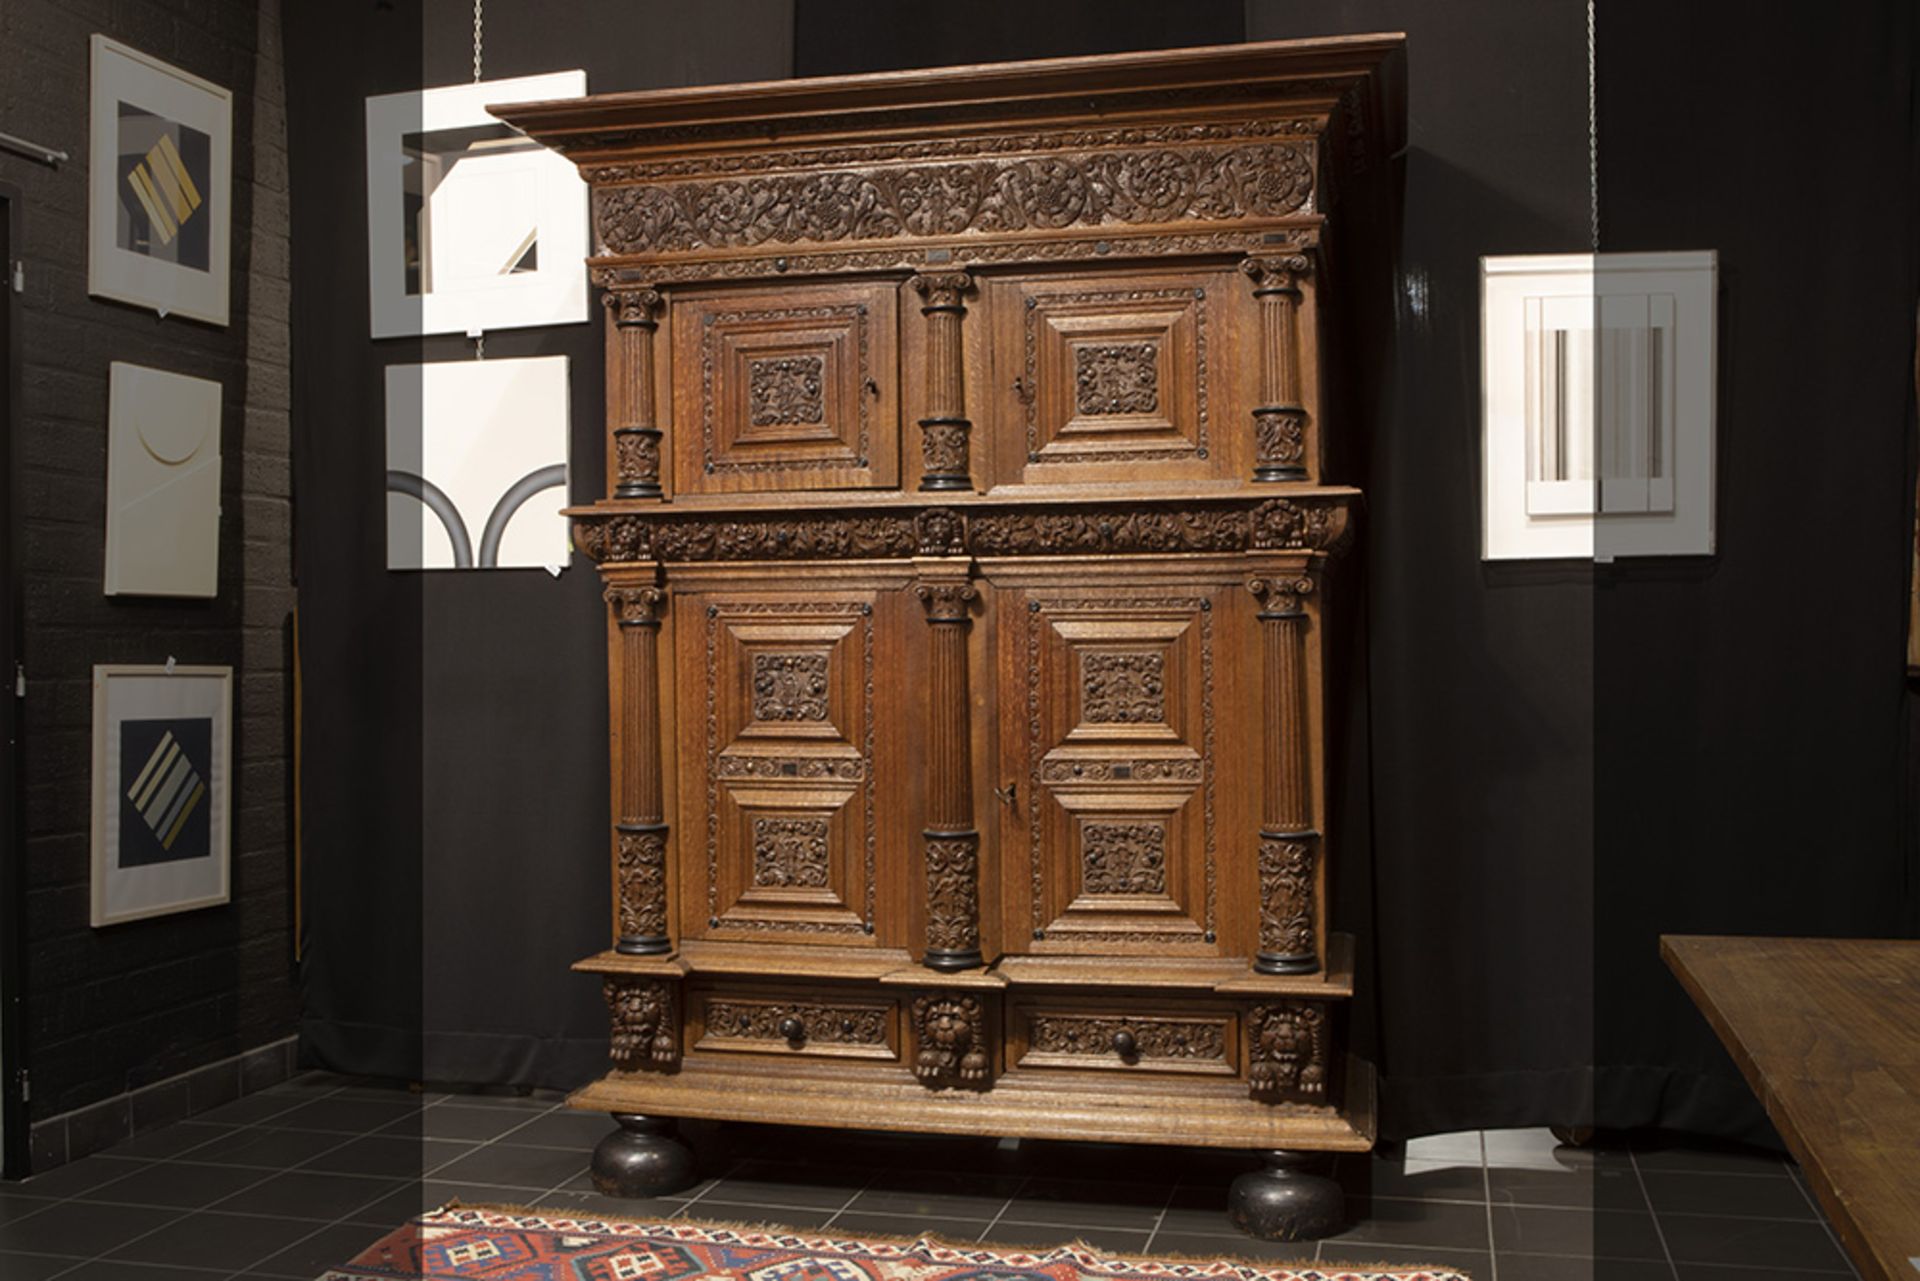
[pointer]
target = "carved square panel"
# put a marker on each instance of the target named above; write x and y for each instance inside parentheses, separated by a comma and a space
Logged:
(790, 687)
(1123, 687)
(1126, 675)
(792, 389)
(1123, 857)
(1117, 370)
(1124, 862)
(790, 851)
(789, 857)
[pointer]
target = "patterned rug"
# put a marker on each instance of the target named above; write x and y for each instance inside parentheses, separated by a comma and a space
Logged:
(502, 1244)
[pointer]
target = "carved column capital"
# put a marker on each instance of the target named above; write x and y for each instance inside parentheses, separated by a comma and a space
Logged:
(1276, 272)
(636, 606)
(1279, 597)
(633, 305)
(946, 602)
(943, 290)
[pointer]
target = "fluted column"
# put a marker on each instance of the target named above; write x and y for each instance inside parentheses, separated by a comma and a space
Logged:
(945, 429)
(951, 844)
(641, 882)
(636, 440)
(1280, 421)
(1289, 842)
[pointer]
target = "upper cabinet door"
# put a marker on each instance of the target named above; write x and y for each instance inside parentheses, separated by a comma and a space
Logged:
(791, 388)
(1119, 376)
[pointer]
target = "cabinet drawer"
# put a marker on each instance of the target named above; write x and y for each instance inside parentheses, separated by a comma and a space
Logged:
(786, 389)
(1194, 1038)
(794, 1022)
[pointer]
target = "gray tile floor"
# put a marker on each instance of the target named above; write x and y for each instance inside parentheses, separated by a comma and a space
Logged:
(286, 1183)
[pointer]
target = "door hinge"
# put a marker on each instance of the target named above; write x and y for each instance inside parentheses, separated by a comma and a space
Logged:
(19, 276)
(26, 1087)
(19, 680)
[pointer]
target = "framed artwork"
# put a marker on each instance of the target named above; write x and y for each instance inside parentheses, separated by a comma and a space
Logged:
(162, 771)
(471, 225)
(163, 483)
(160, 190)
(477, 464)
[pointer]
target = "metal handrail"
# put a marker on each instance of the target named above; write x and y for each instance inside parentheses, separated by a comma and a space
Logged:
(45, 155)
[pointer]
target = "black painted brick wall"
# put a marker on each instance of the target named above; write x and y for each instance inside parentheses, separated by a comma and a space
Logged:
(113, 1009)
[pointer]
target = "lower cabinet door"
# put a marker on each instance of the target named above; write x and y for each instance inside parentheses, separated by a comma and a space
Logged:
(1130, 750)
(788, 772)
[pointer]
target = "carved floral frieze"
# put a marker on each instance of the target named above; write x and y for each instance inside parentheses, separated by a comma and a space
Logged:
(1278, 524)
(1136, 186)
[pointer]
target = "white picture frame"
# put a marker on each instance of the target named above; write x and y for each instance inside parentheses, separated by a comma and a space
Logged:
(163, 483)
(160, 185)
(1598, 423)
(471, 226)
(162, 790)
(477, 464)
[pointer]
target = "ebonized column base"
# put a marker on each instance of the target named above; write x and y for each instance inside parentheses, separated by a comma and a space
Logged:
(1286, 1202)
(953, 962)
(946, 483)
(643, 946)
(1269, 475)
(638, 489)
(641, 1158)
(1265, 963)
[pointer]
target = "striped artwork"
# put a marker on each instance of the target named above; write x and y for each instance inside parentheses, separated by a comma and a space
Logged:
(164, 188)
(164, 765)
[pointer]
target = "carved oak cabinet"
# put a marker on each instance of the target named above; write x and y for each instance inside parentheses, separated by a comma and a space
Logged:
(966, 548)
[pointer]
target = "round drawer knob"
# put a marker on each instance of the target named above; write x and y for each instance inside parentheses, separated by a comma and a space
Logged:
(1125, 1046)
(793, 1030)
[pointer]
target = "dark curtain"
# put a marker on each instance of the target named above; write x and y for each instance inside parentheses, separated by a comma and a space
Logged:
(1473, 899)
(455, 777)
(1752, 718)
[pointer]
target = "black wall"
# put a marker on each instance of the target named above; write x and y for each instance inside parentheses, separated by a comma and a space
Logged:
(114, 1010)
(456, 779)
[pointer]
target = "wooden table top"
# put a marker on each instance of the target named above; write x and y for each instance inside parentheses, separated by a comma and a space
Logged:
(1827, 1032)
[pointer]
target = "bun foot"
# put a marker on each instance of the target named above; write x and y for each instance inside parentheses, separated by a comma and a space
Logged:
(641, 1158)
(1285, 1202)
